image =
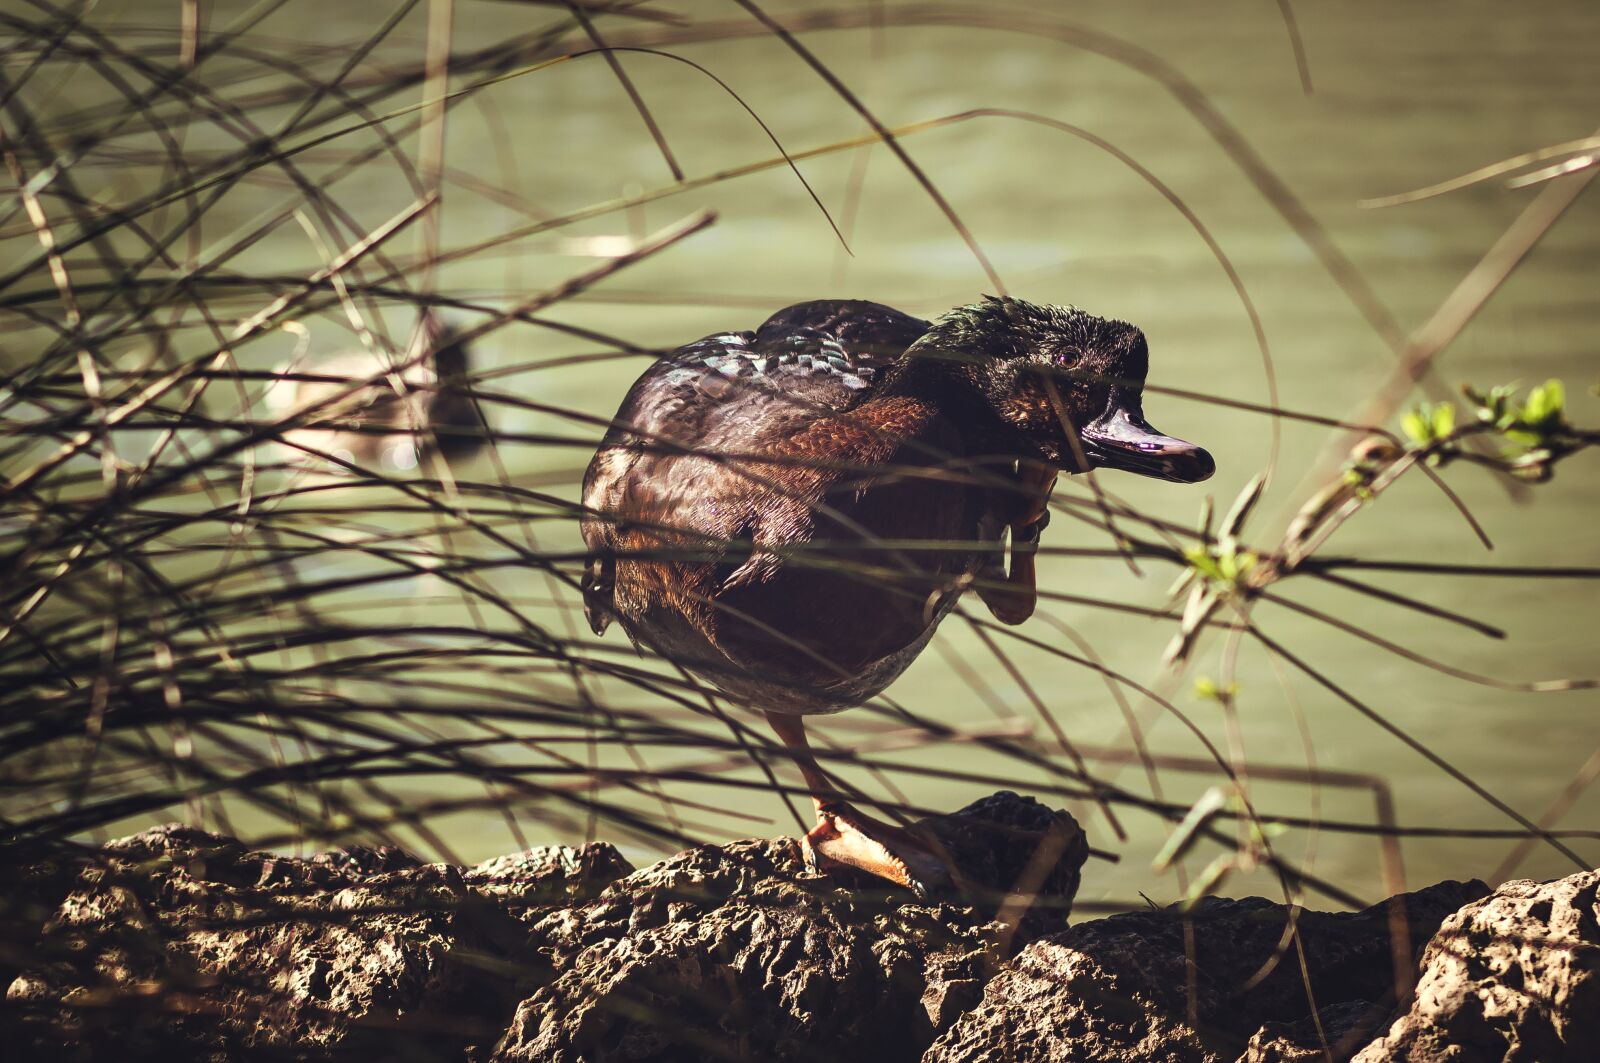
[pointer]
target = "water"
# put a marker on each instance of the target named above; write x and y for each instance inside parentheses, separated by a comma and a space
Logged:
(1403, 96)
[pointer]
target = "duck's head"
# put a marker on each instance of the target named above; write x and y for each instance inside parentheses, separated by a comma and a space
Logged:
(1052, 373)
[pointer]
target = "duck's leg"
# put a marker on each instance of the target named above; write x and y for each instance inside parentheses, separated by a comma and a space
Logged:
(1013, 602)
(845, 836)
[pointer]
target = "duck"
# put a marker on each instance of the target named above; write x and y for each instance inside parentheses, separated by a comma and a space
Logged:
(357, 409)
(788, 513)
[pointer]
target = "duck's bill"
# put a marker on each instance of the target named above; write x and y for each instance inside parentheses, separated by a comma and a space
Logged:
(1123, 440)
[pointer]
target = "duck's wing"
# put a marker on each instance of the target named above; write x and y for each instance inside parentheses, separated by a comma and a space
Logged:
(729, 394)
(865, 334)
(731, 390)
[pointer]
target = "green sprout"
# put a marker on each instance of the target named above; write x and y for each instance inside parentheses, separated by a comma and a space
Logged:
(1216, 570)
(1359, 480)
(1367, 460)
(1208, 689)
(1536, 428)
(1530, 423)
(1224, 565)
(1429, 424)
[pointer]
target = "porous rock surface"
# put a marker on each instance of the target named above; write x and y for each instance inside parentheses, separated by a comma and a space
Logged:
(179, 944)
(1221, 982)
(1514, 976)
(738, 952)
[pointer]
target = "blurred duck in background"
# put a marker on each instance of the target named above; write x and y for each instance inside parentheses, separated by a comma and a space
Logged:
(384, 413)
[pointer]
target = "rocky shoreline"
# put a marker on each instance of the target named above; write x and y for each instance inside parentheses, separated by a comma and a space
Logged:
(180, 944)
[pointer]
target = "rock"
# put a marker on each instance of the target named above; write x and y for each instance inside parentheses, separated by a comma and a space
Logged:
(179, 942)
(740, 951)
(550, 874)
(1122, 988)
(1344, 1027)
(1515, 976)
(1005, 842)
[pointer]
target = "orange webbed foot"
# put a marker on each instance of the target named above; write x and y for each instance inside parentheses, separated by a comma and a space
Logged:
(848, 838)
